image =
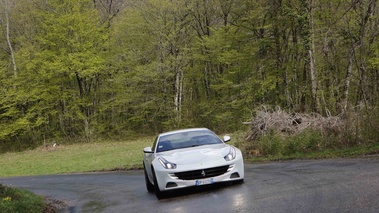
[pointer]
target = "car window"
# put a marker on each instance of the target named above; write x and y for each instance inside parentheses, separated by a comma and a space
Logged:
(154, 144)
(187, 139)
(164, 146)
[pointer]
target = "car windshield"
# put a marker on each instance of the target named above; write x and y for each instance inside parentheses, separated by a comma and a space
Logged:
(187, 139)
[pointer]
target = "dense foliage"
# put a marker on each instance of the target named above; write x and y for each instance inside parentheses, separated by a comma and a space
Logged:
(84, 69)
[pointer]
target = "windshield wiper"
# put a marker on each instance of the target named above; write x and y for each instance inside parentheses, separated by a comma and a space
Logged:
(195, 145)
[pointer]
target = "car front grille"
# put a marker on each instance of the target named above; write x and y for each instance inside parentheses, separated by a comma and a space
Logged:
(202, 173)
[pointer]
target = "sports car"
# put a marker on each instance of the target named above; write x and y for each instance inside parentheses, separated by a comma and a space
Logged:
(190, 157)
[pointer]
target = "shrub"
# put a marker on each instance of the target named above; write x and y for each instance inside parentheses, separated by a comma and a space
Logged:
(275, 144)
(18, 200)
(279, 133)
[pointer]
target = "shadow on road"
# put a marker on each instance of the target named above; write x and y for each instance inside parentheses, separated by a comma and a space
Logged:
(198, 189)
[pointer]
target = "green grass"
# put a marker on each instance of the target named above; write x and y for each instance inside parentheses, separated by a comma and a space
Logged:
(18, 200)
(111, 155)
(82, 157)
(349, 152)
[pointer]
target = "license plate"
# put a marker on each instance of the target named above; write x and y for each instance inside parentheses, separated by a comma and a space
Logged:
(204, 182)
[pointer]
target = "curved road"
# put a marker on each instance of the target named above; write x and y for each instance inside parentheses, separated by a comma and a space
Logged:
(342, 185)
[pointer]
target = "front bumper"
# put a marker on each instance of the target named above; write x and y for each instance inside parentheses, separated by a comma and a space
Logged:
(168, 180)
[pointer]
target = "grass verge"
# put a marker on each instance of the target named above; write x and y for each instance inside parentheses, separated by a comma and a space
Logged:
(18, 200)
(111, 155)
(308, 145)
(351, 152)
(107, 155)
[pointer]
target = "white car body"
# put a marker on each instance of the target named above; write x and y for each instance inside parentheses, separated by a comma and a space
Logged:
(170, 164)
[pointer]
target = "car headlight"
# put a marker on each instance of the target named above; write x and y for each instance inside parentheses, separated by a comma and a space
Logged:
(231, 155)
(166, 164)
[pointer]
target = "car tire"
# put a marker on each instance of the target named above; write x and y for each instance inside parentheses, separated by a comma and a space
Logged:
(158, 193)
(149, 185)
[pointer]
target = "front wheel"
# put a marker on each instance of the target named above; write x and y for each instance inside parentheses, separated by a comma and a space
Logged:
(149, 185)
(158, 192)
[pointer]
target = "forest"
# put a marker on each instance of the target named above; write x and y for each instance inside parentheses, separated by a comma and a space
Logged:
(82, 70)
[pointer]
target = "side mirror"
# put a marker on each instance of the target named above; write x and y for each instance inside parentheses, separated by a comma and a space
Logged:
(147, 150)
(226, 138)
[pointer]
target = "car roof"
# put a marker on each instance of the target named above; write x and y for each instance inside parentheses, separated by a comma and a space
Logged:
(182, 130)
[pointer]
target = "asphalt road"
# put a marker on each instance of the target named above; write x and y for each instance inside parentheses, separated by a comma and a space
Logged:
(343, 185)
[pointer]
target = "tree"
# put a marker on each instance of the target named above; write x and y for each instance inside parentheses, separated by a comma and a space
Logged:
(355, 35)
(150, 42)
(109, 9)
(72, 46)
(310, 46)
(107, 68)
(58, 88)
(5, 8)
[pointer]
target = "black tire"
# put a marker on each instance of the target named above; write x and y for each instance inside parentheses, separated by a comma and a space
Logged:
(149, 186)
(158, 193)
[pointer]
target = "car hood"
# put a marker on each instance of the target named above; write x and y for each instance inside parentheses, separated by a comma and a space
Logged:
(197, 154)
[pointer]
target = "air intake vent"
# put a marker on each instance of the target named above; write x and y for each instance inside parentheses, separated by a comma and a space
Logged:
(171, 185)
(202, 173)
(234, 175)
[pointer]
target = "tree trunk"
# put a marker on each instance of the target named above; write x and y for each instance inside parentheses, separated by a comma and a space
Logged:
(5, 4)
(178, 94)
(314, 103)
(359, 43)
(206, 81)
(312, 62)
(347, 81)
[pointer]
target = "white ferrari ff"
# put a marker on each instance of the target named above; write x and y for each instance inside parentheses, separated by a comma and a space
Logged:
(190, 157)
